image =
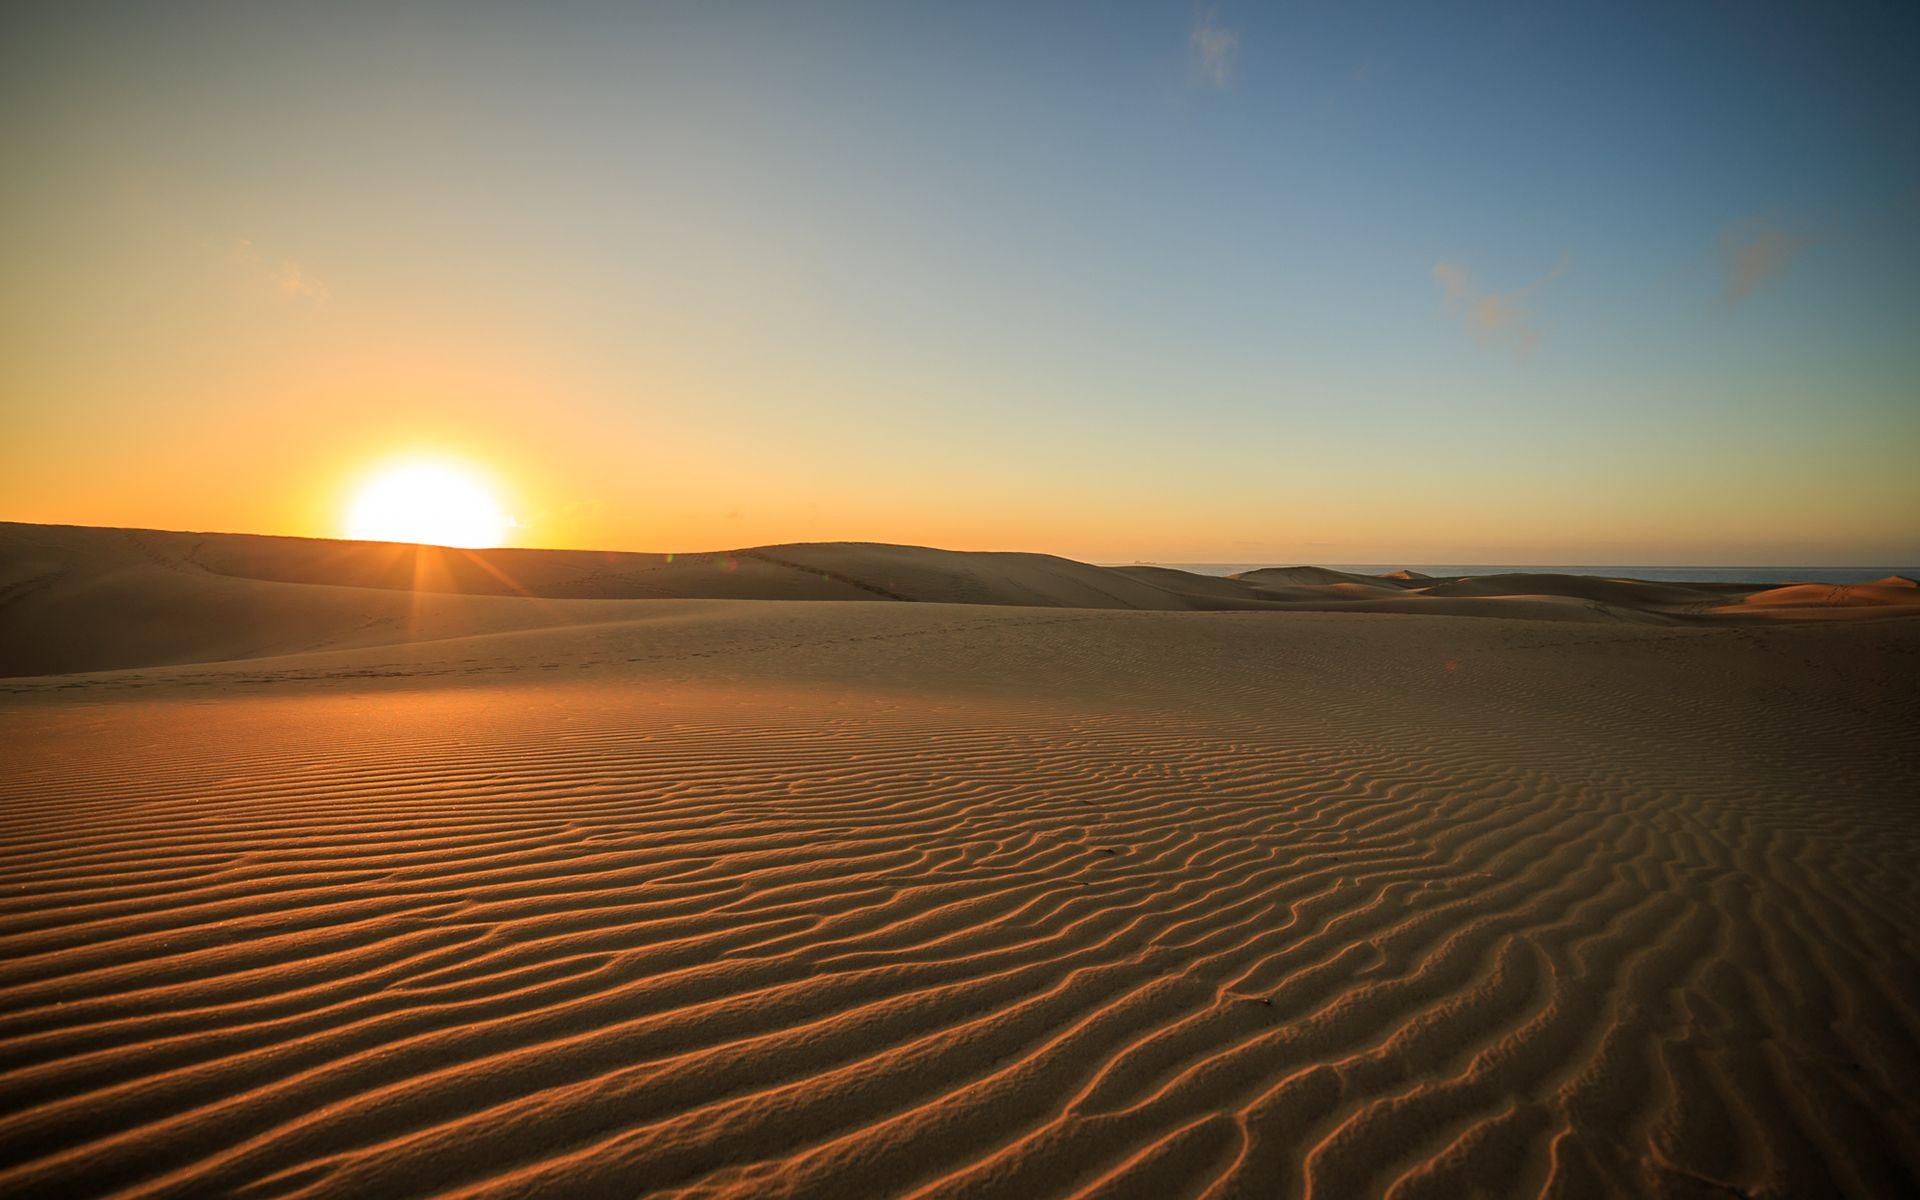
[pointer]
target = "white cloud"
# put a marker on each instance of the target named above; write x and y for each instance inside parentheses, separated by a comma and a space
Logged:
(1754, 251)
(1494, 318)
(1213, 51)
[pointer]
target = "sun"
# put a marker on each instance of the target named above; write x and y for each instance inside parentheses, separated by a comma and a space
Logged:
(429, 503)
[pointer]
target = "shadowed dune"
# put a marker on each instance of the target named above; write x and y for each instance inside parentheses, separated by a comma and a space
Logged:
(1622, 593)
(1285, 577)
(74, 598)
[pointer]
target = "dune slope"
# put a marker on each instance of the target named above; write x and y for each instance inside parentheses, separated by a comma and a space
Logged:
(83, 599)
(744, 899)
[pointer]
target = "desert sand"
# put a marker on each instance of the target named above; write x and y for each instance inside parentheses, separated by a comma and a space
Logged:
(336, 869)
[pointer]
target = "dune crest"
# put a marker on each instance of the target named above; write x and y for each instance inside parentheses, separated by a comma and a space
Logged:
(79, 599)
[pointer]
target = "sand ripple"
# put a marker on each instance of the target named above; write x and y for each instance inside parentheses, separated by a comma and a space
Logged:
(570, 941)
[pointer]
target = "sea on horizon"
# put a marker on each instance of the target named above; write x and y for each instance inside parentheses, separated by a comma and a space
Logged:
(1669, 574)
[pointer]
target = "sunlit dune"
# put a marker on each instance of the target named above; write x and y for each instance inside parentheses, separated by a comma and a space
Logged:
(1115, 882)
(99, 599)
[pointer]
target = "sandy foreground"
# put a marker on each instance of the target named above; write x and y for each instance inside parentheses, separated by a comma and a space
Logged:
(347, 889)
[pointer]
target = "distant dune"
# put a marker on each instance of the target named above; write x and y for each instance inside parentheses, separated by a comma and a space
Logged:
(76, 598)
(609, 876)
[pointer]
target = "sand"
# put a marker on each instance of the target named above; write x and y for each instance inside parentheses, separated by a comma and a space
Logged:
(339, 888)
(83, 599)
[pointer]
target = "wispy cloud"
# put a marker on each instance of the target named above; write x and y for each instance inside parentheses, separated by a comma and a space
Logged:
(1213, 51)
(1494, 318)
(286, 278)
(1755, 251)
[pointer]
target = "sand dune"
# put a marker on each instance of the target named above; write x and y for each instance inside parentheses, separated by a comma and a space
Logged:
(1623, 593)
(1285, 577)
(77, 599)
(728, 898)
(1893, 593)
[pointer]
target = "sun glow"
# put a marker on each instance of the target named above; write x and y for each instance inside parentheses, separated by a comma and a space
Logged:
(429, 503)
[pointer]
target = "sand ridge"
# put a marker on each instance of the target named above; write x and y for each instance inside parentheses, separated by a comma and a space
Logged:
(77, 599)
(742, 898)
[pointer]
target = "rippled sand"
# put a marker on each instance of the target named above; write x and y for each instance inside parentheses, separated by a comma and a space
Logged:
(861, 899)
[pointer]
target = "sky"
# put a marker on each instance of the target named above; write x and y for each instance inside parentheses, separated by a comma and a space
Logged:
(1514, 282)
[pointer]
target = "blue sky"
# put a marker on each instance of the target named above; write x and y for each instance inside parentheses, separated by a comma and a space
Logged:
(1502, 281)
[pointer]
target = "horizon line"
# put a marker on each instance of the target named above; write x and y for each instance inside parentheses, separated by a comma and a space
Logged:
(1405, 564)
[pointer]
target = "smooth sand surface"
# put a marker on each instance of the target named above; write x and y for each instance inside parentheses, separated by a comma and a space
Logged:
(80, 599)
(438, 894)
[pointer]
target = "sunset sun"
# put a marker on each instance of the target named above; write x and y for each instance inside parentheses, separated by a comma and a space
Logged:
(429, 503)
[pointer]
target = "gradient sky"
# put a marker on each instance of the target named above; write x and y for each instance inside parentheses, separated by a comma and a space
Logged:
(1512, 282)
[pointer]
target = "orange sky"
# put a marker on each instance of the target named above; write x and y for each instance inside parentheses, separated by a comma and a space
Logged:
(272, 429)
(676, 283)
